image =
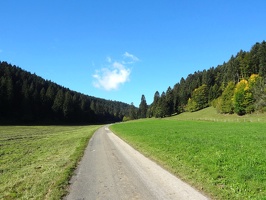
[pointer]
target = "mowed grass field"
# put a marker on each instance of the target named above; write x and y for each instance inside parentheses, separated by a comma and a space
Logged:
(226, 159)
(36, 162)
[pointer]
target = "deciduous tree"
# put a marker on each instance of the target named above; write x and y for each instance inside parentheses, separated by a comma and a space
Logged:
(225, 102)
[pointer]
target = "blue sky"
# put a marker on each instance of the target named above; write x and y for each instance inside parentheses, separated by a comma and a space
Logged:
(119, 50)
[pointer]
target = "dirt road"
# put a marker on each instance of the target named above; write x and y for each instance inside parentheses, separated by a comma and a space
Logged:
(111, 169)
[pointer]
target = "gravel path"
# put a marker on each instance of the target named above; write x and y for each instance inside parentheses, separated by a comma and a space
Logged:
(111, 169)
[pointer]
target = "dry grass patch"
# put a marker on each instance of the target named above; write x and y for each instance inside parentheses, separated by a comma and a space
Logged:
(37, 161)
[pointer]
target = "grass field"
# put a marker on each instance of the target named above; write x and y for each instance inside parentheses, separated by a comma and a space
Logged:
(224, 158)
(36, 162)
(210, 114)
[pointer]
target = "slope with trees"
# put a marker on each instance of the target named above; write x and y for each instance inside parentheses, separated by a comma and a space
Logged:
(28, 98)
(236, 86)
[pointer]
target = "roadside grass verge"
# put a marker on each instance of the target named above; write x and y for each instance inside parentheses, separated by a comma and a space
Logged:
(225, 160)
(38, 161)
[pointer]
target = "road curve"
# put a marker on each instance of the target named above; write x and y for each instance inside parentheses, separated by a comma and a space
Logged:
(111, 169)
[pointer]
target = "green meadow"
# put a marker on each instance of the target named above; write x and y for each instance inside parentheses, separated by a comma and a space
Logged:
(223, 156)
(36, 162)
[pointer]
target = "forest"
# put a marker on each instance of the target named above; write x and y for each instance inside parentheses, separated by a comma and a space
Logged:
(26, 98)
(236, 86)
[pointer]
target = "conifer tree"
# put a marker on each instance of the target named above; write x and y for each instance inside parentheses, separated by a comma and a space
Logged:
(169, 101)
(132, 112)
(58, 102)
(143, 107)
(68, 105)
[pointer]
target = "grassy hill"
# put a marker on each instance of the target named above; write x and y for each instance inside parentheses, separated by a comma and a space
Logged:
(210, 114)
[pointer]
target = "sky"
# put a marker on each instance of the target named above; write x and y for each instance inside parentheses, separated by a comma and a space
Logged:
(120, 50)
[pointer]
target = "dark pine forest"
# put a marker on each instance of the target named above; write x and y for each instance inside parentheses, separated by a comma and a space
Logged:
(26, 98)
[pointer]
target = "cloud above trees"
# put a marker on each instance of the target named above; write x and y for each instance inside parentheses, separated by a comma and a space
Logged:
(115, 73)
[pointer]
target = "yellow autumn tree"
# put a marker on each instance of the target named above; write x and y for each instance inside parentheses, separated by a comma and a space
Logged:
(243, 99)
(199, 99)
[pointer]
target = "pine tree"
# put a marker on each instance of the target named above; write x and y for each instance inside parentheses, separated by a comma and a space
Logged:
(143, 107)
(58, 103)
(169, 101)
(68, 105)
(154, 104)
(176, 105)
(132, 112)
(50, 95)
(161, 109)
(262, 58)
(258, 89)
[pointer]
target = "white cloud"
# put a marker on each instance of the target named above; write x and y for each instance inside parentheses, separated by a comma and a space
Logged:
(115, 74)
(112, 77)
(131, 57)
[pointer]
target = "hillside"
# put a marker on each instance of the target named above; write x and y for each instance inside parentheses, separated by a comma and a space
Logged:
(28, 98)
(211, 114)
(236, 86)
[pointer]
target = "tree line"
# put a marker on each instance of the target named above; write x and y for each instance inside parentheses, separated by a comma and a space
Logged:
(28, 98)
(236, 86)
